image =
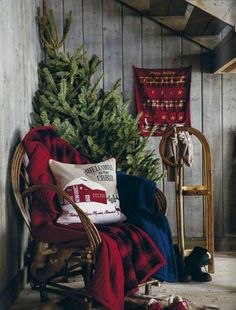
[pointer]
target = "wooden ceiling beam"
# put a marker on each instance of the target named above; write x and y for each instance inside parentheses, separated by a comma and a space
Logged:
(164, 22)
(159, 7)
(197, 23)
(224, 10)
(168, 7)
(224, 55)
(140, 5)
(214, 27)
(201, 23)
(177, 8)
(220, 59)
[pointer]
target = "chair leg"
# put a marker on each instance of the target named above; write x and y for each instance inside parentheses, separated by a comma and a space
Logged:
(43, 293)
(89, 305)
(66, 275)
(87, 273)
(148, 289)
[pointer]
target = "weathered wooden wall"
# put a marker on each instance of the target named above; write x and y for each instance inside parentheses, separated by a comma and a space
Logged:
(122, 39)
(19, 55)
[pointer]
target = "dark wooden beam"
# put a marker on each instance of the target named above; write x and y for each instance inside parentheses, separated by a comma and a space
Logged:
(141, 5)
(202, 23)
(159, 7)
(177, 8)
(224, 56)
(168, 7)
(214, 27)
(169, 27)
(197, 22)
(223, 9)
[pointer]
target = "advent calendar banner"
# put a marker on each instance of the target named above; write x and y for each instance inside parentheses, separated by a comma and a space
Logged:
(163, 98)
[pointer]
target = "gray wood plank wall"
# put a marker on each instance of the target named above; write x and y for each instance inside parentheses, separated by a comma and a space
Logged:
(122, 39)
(19, 55)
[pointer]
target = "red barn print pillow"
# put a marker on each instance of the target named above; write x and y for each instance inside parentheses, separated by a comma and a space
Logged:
(92, 187)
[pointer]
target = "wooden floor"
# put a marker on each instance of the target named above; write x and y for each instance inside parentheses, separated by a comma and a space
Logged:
(218, 294)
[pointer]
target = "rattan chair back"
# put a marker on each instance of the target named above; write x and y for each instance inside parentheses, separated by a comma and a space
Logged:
(20, 182)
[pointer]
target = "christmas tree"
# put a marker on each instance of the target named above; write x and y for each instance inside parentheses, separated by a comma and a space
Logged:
(95, 122)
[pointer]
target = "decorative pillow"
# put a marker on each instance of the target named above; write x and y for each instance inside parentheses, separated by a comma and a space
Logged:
(92, 187)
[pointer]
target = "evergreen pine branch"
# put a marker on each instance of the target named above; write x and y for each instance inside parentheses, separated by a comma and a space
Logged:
(50, 20)
(95, 86)
(93, 64)
(66, 28)
(45, 35)
(50, 80)
(48, 31)
(78, 55)
(97, 122)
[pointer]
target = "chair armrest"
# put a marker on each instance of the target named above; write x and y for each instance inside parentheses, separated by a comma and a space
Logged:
(90, 229)
(161, 201)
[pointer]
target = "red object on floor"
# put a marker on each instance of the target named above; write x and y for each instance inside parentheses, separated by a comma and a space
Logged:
(162, 97)
(156, 306)
(127, 256)
(181, 305)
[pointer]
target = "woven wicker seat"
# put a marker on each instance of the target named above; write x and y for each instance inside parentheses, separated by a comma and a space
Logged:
(65, 263)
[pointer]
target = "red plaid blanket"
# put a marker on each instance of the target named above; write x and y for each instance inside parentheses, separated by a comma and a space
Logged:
(127, 256)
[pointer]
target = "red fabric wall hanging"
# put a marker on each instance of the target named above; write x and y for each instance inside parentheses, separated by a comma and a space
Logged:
(163, 98)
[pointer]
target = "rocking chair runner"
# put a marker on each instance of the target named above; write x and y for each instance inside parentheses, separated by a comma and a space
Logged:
(63, 263)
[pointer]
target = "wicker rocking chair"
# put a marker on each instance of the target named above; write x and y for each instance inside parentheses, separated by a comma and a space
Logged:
(64, 263)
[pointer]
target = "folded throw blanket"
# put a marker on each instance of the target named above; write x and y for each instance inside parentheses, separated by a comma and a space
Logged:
(127, 255)
(139, 204)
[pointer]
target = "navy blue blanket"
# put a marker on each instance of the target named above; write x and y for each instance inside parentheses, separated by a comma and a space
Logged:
(138, 203)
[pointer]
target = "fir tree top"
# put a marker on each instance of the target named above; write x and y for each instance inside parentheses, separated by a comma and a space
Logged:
(96, 122)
